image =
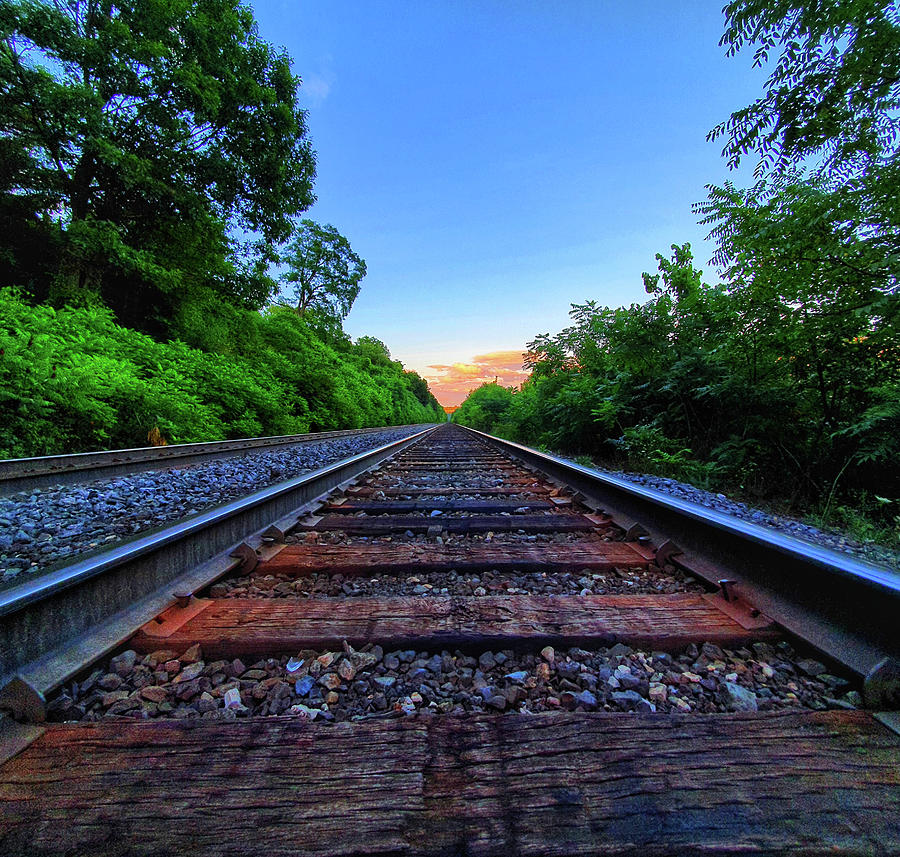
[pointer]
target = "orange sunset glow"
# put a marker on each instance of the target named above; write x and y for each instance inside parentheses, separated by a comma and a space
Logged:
(451, 383)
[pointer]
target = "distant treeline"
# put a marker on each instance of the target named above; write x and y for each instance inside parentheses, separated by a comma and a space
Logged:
(155, 165)
(783, 380)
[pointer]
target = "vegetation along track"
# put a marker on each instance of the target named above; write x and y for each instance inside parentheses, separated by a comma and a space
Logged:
(472, 648)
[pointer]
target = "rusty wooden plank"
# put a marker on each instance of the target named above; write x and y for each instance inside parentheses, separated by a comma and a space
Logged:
(431, 491)
(455, 482)
(396, 507)
(454, 463)
(262, 787)
(299, 560)
(799, 783)
(560, 523)
(246, 626)
(452, 475)
(429, 464)
(453, 459)
(586, 785)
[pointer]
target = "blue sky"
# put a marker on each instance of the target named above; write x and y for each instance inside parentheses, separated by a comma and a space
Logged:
(494, 162)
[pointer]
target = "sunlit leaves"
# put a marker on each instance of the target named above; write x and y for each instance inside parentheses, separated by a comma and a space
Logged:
(72, 380)
(323, 274)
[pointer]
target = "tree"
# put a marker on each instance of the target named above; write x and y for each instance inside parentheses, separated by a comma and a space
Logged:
(374, 350)
(824, 294)
(833, 91)
(817, 256)
(419, 388)
(485, 407)
(152, 132)
(323, 273)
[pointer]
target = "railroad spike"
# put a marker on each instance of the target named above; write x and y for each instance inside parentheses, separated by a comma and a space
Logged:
(666, 551)
(273, 534)
(727, 589)
(881, 688)
(635, 533)
(182, 598)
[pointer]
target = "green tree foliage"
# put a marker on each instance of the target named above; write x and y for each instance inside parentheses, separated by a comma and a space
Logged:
(833, 91)
(785, 379)
(374, 349)
(323, 273)
(73, 380)
(830, 109)
(822, 251)
(486, 409)
(153, 158)
(139, 138)
(780, 391)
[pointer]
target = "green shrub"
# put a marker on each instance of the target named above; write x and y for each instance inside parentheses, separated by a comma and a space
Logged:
(73, 380)
(646, 448)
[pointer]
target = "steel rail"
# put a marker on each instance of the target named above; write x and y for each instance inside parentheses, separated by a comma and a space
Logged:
(25, 474)
(55, 623)
(846, 608)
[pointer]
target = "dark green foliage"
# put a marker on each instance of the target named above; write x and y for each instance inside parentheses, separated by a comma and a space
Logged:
(785, 381)
(765, 386)
(153, 157)
(823, 222)
(487, 409)
(833, 91)
(73, 380)
(143, 137)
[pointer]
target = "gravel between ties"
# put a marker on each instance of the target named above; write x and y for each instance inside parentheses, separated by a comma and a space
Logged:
(44, 526)
(350, 685)
(630, 581)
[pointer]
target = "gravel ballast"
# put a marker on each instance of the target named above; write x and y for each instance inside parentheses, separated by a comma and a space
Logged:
(624, 581)
(44, 526)
(790, 526)
(351, 685)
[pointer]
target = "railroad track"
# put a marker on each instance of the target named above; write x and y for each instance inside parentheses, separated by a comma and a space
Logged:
(26, 474)
(454, 645)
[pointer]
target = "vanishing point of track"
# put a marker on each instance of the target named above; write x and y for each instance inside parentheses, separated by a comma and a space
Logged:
(452, 645)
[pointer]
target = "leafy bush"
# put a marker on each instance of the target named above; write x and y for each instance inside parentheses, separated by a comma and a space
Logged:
(776, 387)
(646, 448)
(486, 409)
(73, 380)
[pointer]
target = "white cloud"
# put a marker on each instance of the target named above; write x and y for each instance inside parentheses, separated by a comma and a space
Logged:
(316, 88)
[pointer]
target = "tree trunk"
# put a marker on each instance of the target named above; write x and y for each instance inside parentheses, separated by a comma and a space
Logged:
(79, 276)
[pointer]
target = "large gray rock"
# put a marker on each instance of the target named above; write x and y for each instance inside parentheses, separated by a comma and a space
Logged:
(738, 698)
(626, 699)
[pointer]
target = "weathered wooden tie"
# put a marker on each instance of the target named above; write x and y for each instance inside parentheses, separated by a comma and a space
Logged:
(460, 481)
(431, 491)
(398, 558)
(235, 627)
(476, 524)
(562, 785)
(396, 507)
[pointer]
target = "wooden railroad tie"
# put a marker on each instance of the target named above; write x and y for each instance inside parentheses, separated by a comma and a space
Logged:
(559, 784)
(398, 557)
(246, 626)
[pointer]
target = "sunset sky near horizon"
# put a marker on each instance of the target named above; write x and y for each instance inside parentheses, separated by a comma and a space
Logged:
(494, 162)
